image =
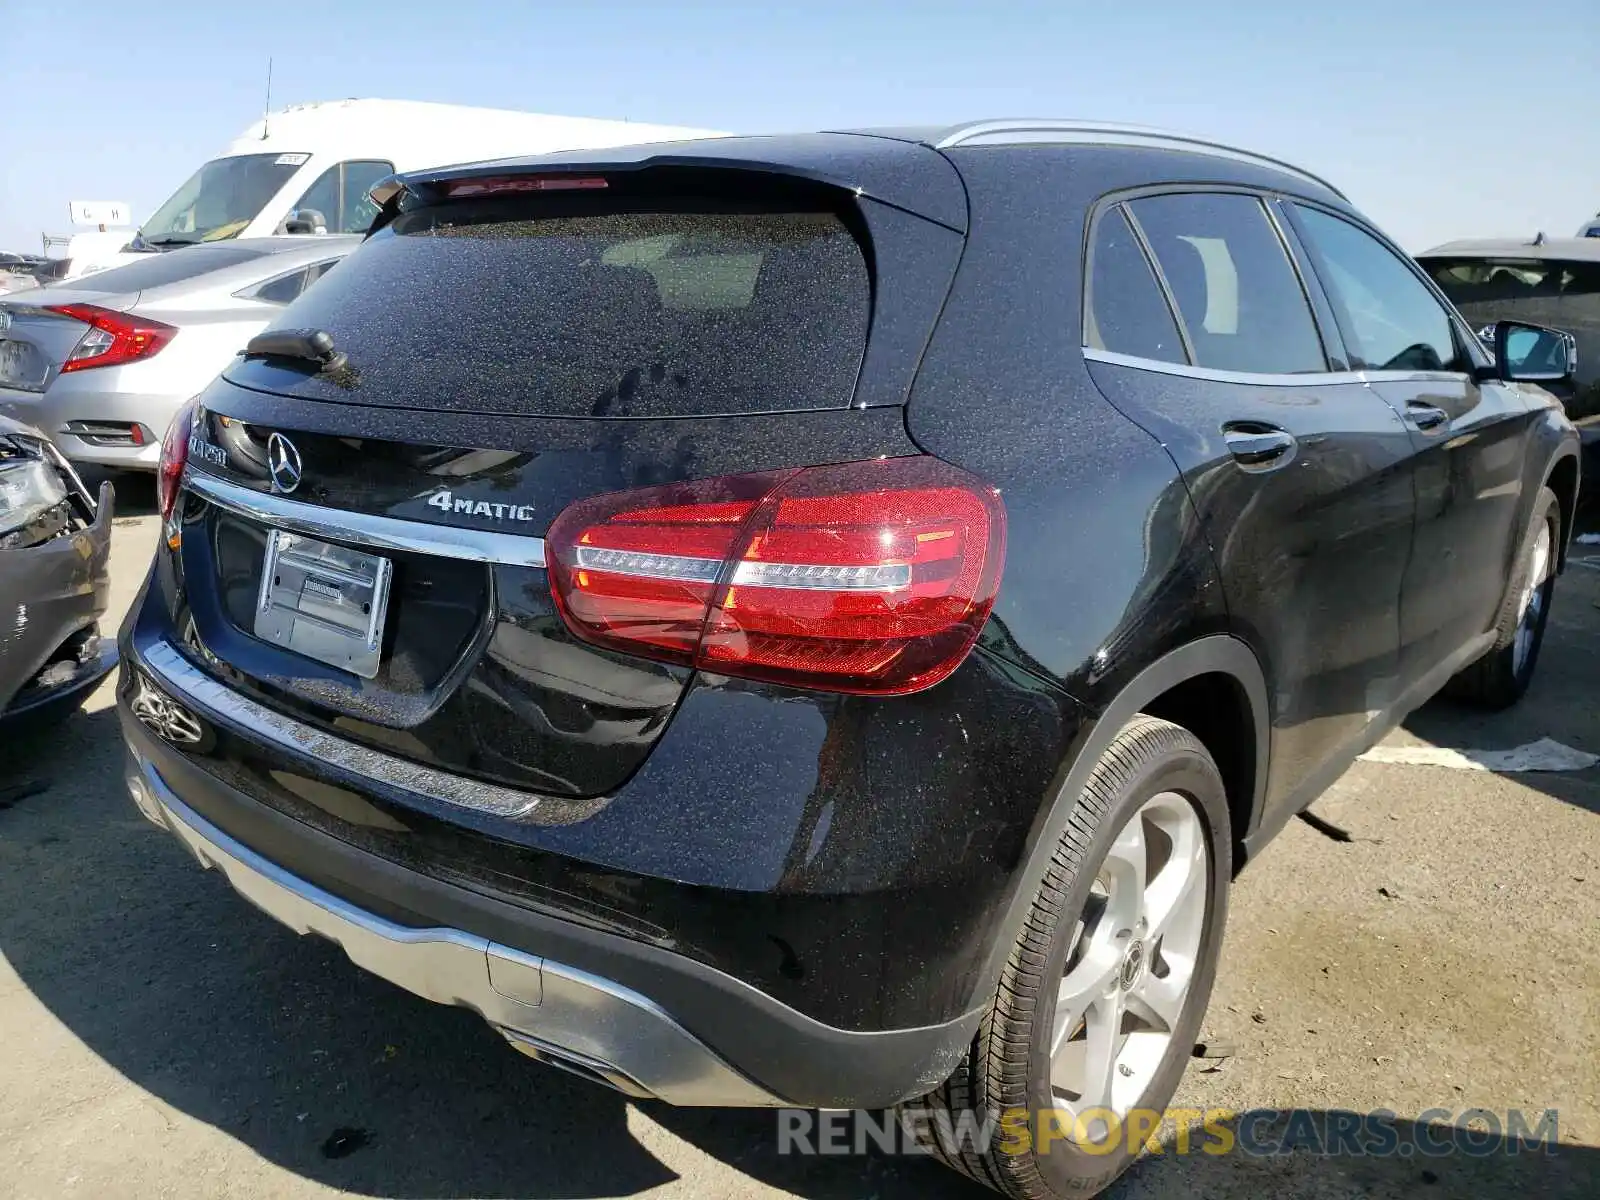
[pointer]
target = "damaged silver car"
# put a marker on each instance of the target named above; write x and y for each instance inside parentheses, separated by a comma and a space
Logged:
(55, 537)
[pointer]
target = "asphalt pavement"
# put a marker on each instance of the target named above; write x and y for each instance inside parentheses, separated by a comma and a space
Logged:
(1432, 946)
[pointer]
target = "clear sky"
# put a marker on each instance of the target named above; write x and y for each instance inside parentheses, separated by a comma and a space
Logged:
(1402, 103)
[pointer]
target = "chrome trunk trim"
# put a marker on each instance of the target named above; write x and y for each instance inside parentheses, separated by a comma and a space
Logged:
(365, 529)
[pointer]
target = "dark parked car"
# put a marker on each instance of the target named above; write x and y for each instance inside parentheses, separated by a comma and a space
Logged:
(22, 264)
(54, 540)
(1549, 281)
(820, 620)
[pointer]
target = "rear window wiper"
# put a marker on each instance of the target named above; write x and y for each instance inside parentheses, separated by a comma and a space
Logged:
(298, 345)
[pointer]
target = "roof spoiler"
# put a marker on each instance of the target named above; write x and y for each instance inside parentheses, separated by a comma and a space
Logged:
(918, 181)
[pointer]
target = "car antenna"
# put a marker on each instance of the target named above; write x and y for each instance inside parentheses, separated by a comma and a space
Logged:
(266, 114)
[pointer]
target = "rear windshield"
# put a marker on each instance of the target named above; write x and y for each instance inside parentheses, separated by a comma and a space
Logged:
(160, 269)
(631, 314)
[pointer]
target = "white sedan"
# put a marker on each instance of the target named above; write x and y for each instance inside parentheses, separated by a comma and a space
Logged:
(102, 363)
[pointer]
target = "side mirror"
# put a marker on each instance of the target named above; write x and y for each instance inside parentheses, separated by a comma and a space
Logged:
(1533, 354)
(305, 220)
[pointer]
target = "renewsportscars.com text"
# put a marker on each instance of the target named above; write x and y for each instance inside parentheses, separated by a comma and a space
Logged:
(1380, 1133)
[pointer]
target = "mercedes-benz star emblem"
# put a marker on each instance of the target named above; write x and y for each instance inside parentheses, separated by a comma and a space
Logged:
(283, 462)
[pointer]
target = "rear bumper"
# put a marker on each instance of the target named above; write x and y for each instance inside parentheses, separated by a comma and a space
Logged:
(555, 1013)
(634, 1015)
(80, 396)
(123, 458)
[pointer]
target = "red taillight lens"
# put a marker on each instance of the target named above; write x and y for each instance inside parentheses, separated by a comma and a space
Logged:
(864, 577)
(174, 457)
(113, 337)
(638, 571)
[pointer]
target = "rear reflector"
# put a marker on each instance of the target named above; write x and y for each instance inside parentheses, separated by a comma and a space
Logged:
(113, 337)
(500, 185)
(870, 577)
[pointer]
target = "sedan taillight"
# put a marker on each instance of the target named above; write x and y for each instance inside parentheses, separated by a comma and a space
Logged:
(113, 337)
(871, 577)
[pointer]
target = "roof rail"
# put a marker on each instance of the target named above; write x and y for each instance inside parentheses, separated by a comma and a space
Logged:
(1050, 129)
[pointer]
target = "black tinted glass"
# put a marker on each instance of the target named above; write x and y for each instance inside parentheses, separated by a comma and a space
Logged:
(283, 289)
(621, 314)
(161, 268)
(1395, 322)
(1540, 292)
(1127, 312)
(1241, 302)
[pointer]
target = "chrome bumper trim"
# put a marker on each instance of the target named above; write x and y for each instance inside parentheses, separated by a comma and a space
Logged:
(191, 685)
(557, 1014)
(364, 529)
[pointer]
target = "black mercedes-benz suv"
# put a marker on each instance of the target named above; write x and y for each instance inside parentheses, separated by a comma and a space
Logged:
(820, 620)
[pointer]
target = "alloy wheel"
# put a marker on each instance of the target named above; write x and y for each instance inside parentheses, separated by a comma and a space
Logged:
(1530, 609)
(1132, 962)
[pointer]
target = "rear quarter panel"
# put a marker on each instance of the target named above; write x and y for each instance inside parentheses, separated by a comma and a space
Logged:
(1106, 568)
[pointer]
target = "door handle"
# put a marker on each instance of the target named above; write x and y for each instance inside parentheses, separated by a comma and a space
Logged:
(1426, 416)
(1255, 446)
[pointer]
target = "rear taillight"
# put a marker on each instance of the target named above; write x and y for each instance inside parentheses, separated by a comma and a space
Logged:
(174, 457)
(864, 577)
(113, 337)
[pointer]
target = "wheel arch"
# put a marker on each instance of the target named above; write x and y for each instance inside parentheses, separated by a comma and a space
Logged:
(1175, 685)
(1562, 478)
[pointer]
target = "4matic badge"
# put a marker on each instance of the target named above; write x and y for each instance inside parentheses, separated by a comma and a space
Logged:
(445, 501)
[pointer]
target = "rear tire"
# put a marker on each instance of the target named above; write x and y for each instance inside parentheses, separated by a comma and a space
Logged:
(1125, 929)
(1501, 677)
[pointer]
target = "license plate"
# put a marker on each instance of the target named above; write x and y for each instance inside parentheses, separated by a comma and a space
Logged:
(13, 360)
(323, 601)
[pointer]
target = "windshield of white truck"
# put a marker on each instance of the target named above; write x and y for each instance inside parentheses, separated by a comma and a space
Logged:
(219, 200)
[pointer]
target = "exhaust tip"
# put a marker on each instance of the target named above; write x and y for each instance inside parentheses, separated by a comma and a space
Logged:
(580, 1065)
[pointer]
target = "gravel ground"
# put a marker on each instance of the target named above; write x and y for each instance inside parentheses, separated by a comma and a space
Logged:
(158, 1037)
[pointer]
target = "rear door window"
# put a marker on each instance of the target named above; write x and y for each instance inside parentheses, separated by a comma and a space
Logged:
(1127, 312)
(468, 308)
(1241, 302)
